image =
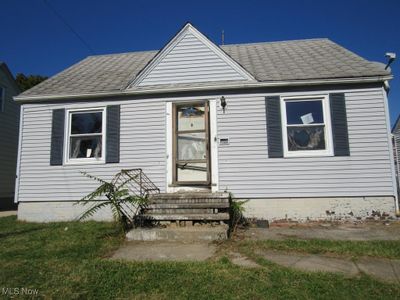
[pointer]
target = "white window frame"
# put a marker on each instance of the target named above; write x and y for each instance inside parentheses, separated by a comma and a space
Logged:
(2, 98)
(67, 134)
(328, 151)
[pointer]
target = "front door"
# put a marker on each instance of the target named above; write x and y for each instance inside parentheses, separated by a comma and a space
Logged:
(191, 151)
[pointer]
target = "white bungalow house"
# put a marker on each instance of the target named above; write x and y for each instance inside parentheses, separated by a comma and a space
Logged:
(300, 128)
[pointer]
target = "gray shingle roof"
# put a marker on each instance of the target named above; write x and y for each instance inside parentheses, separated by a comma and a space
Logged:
(267, 62)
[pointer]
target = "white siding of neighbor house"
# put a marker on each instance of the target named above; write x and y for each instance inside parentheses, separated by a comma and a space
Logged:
(244, 166)
(9, 120)
(190, 60)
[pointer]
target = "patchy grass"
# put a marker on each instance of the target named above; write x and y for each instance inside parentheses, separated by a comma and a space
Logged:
(67, 260)
(386, 249)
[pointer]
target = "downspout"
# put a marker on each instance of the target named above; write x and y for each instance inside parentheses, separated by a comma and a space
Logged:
(395, 151)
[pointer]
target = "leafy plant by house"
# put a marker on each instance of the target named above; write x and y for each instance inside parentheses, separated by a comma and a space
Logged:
(236, 214)
(115, 195)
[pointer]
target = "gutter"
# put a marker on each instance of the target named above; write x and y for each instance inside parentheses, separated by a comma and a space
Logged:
(204, 88)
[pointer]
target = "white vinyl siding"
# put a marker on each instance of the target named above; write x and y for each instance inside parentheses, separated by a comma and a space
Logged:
(191, 60)
(246, 170)
(244, 167)
(142, 146)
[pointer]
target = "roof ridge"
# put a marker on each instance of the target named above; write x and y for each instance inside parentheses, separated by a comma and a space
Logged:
(226, 45)
(277, 42)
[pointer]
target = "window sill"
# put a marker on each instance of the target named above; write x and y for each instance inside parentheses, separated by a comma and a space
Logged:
(308, 155)
(85, 162)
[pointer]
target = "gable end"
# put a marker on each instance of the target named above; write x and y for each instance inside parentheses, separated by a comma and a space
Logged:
(190, 57)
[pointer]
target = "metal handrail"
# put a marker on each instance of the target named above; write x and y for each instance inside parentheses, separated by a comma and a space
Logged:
(144, 186)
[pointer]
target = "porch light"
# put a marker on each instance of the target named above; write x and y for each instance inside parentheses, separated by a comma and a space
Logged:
(223, 103)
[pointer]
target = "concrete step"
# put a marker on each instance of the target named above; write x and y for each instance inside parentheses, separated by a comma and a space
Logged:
(186, 234)
(187, 217)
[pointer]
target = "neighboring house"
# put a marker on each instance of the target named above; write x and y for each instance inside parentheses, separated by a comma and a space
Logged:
(396, 148)
(9, 121)
(300, 128)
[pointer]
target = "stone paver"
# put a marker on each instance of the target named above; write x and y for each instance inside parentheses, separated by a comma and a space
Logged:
(396, 268)
(316, 263)
(281, 258)
(312, 263)
(165, 251)
(383, 269)
(8, 213)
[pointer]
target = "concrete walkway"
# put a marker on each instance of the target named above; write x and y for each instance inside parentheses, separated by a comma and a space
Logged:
(8, 213)
(165, 251)
(353, 232)
(383, 269)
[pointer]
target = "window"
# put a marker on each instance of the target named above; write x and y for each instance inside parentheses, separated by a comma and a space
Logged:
(85, 136)
(2, 98)
(306, 126)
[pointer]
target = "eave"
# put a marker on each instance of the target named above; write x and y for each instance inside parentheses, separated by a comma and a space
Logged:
(211, 87)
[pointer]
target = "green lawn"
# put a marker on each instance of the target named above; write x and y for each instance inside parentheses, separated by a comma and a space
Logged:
(69, 261)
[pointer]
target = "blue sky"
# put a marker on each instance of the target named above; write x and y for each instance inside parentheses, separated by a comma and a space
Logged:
(35, 41)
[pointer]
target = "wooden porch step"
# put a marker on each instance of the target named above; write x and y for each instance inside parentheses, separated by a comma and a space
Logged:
(188, 217)
(193, 195)
(179, 211)
(200, 197)
(188, 201)
(188, 205)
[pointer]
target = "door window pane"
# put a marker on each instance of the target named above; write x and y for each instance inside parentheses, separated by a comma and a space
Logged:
(306, 138)
(191, 146)
(304, 112)
(191, 118)
(82, 123)
(192, 172)
(85, 147)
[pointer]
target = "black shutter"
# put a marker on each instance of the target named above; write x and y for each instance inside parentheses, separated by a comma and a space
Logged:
(112, 139)
(339, 124)
(274, 126)
(57, 137)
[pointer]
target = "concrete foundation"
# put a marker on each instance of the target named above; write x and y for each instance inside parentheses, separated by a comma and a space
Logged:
(335, 208)
(58, 211)
(297, 209)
